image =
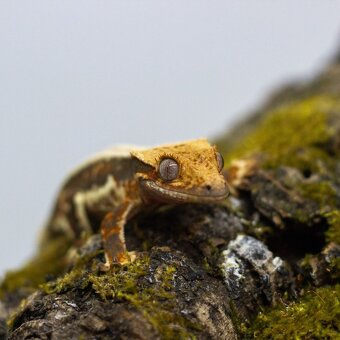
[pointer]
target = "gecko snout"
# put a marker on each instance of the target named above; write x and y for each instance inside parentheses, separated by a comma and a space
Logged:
(212, 190)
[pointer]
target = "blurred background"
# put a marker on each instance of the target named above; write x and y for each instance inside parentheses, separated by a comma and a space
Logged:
(79, 76)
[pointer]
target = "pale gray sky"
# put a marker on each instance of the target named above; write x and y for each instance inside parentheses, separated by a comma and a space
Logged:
(77, 76)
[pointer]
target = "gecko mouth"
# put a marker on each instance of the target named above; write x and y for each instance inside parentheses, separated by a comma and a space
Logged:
(159, 193)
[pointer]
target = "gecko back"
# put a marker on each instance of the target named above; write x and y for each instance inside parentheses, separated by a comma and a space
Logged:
(90, 191)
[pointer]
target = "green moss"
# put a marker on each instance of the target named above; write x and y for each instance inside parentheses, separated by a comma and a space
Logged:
(157, 302)
(333, 232)
(296, 135)
(65, 282)
(291, 136)
(49, 262)
(77, 277)
(325, 195)
(12, 317)
(314, 316)
(121, 282)
(321, 192)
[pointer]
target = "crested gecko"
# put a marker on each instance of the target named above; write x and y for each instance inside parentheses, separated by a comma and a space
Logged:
(109, 189)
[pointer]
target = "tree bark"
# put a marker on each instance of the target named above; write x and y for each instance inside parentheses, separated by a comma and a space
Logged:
(206, 271)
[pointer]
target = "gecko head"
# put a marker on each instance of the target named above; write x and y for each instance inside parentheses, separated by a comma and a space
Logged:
(184, 172)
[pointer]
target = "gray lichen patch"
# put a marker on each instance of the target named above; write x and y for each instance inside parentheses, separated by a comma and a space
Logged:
(252, 274)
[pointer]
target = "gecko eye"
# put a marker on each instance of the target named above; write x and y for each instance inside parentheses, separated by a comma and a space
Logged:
(168, 169)
(220, 161)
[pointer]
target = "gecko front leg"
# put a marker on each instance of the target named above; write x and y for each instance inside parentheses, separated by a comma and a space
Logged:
(112, 231)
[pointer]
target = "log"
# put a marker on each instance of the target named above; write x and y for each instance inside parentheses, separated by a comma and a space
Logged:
(263, 264)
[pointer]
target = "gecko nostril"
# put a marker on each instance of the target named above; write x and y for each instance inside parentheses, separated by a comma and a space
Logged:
(208, 187)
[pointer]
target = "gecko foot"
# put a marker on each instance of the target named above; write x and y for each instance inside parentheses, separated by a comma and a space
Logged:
(123, 259)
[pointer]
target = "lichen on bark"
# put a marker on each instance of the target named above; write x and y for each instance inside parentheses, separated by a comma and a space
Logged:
(296, 187)
(258, 266)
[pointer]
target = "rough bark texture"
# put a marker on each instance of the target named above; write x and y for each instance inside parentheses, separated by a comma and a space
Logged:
(265, 264)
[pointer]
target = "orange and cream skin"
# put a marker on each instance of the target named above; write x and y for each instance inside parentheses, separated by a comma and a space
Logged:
(104, 192)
